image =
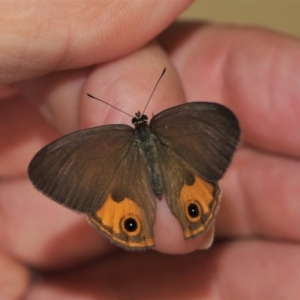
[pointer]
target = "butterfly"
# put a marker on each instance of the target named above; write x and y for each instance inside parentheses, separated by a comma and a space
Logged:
(115, 173)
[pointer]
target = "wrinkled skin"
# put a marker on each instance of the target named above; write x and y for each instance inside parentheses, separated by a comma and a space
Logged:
(52, 55)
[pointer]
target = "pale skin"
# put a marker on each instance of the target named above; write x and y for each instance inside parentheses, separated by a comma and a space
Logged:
(88, 48)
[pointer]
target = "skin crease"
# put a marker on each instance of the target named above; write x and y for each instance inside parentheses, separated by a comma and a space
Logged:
(254, 72)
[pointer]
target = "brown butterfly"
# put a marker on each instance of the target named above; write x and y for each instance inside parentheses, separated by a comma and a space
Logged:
(114, 173)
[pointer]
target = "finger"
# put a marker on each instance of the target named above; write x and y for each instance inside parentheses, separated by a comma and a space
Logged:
(224, 270)
(59, 35)
(261, 197)
(127, 84)
(14, 278)
(254, 72)
(59, 96)
(6, 91)
(22, 132)
(40, 233)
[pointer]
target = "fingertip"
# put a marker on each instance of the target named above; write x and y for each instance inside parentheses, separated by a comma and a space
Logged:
(169, 236)
(208, 238)
(127, 84)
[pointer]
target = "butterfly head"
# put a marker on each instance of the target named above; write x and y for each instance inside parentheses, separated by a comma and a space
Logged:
(139, 119)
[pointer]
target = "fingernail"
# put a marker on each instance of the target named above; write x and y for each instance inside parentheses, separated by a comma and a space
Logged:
(208, 238)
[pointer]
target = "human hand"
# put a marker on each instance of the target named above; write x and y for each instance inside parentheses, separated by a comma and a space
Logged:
(36, 40)
(208, 60)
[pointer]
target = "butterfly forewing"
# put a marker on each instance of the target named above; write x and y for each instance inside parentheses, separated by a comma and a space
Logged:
(77, 169)
(203, 134)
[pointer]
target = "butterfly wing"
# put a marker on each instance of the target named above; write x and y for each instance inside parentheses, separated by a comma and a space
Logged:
(197, 143)
(203, 134)
(99, 171)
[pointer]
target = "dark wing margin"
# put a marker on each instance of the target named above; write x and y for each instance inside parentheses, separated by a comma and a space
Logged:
(205, 135)
(77, 169)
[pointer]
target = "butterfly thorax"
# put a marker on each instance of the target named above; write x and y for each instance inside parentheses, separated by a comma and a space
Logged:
(147, 144)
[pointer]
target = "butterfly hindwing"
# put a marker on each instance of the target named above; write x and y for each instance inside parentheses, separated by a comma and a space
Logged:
(128, 213)
(193, 200)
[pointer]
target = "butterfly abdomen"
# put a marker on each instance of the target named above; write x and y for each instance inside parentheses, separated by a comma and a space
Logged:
(147, 142)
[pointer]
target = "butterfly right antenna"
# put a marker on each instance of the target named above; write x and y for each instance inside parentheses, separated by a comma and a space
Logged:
(162, 74)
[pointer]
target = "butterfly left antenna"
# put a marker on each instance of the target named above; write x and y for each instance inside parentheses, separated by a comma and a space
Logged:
(111, 105)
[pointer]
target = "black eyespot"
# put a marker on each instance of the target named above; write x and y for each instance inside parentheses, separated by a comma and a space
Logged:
(193, 210)
(130, 225)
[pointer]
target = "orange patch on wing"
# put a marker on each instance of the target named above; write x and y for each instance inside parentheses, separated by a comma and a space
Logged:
(111, 220)
(202, 196)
